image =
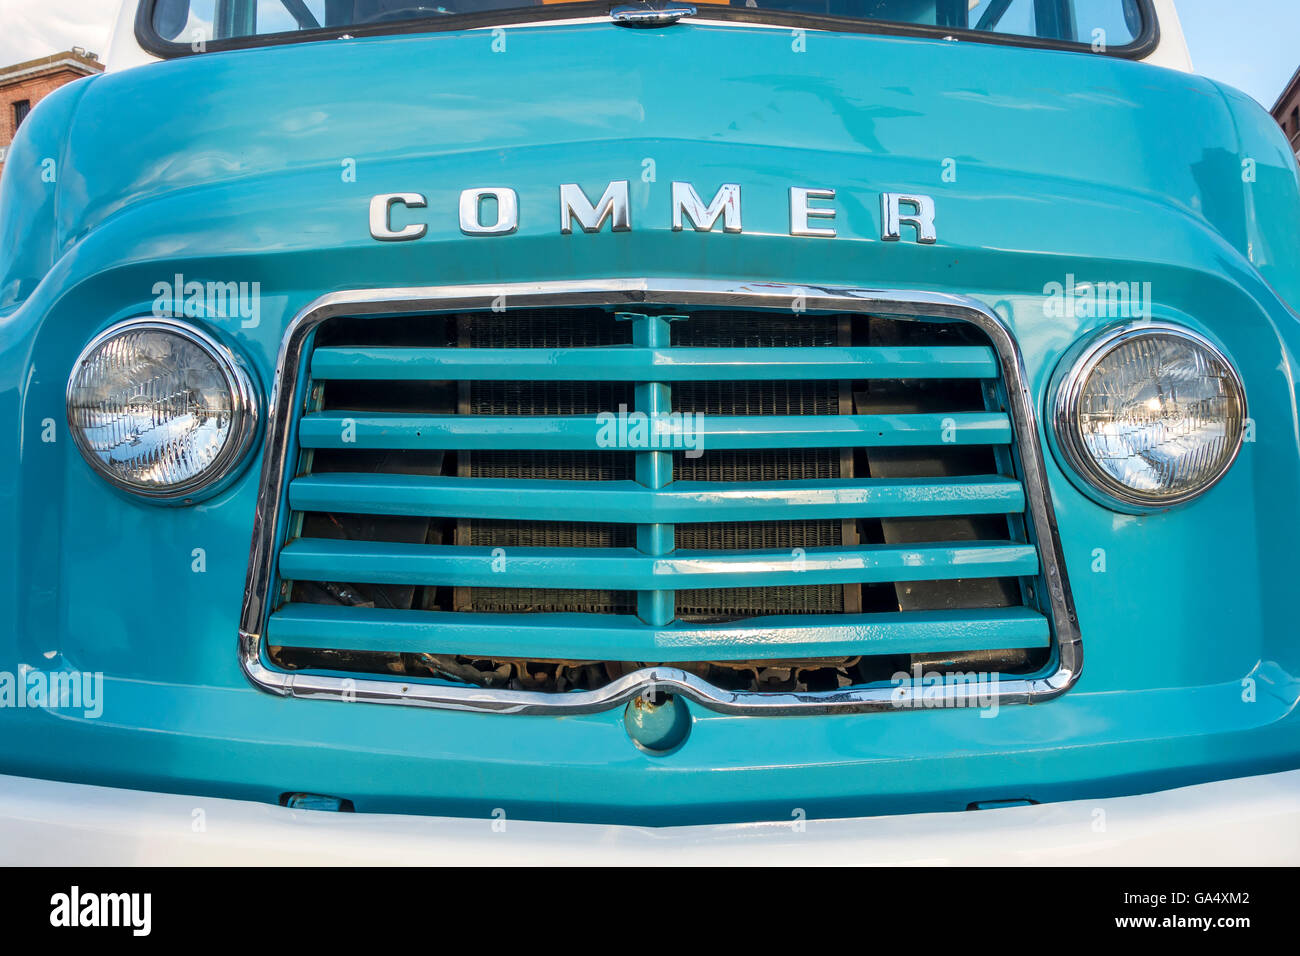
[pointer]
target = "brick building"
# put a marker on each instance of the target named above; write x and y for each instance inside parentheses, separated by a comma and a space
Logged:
(23, 85)
(1287, 112)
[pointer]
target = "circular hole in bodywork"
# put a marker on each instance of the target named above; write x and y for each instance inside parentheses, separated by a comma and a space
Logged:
(657, 723)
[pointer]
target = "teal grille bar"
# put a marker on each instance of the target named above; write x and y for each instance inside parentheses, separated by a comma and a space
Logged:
(395, 430)
(625, 638)
(679, 502)
(658, 364)
(626, 569)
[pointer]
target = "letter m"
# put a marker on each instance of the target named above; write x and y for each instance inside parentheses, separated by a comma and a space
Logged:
(574, 204)
(725, 204)
(222, 297)
(116, 909)
(1113, 299)
(64, 687)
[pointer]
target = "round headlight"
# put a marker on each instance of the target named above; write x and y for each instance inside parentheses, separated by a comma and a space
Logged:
(1149, 416)
(160, 409)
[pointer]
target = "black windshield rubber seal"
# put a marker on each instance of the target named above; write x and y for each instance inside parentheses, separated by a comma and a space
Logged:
(149, 39)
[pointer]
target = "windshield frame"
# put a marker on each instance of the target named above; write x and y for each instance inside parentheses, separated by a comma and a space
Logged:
(1142, 45)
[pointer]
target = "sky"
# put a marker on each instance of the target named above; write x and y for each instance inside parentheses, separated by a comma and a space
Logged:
(1251, 44)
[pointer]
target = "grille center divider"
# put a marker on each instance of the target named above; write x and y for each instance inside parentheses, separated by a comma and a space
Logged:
(654, 469)
(903, 479)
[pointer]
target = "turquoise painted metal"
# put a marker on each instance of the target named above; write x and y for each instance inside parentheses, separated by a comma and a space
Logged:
(630, 364)
(682, 501)
(625, 638)
(227, 167)
(306, 559)
(583, 433)
(658, 727)
(655, 604)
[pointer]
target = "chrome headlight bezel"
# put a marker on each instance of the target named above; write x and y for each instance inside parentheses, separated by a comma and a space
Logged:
(244, 411)
(1066, 440)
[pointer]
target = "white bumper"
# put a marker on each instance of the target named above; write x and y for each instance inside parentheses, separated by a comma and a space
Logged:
(1249, 820)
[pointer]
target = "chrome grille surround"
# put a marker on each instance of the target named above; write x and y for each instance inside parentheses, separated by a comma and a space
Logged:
(272, 508)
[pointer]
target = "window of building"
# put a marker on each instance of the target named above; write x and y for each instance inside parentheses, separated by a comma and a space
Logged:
(21, 109)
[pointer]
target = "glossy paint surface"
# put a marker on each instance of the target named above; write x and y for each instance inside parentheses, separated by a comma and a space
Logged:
(683, 501)
(306, 559)
(625, 638)
(632, 364)
(580, 433)
(235, 168)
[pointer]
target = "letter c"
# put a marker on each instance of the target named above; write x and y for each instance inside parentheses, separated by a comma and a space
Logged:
(381, 210)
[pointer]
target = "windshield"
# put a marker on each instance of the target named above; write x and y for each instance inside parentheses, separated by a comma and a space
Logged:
(1098, 24)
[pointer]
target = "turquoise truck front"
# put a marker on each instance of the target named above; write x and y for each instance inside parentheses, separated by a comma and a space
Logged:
(320, 187)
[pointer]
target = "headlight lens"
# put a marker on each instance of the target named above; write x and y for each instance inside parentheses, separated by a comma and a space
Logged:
(1150, 416)
(160, 409)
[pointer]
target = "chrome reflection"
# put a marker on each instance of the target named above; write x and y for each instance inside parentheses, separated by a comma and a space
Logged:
(650, 13)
